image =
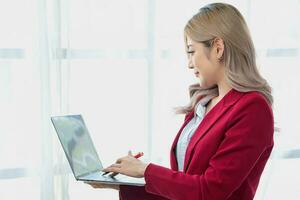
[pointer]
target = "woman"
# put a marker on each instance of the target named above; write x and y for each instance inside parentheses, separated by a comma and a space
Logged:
(227, 136)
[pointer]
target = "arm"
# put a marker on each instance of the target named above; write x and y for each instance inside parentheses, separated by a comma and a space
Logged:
(136, 193)
(249, 134)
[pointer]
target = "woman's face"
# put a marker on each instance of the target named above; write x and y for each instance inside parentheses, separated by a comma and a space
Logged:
(204, 62)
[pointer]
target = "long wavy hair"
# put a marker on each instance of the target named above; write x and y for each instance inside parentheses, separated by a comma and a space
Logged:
(226, 22)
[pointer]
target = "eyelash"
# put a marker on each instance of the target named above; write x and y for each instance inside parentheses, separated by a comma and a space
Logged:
(191, 52)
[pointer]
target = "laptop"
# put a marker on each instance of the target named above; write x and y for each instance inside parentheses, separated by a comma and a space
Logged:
(82, 155)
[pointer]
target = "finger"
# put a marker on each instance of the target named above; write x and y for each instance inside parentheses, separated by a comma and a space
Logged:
(99, 186)
(114, 169)
(129, 153)
(116, 165)
(108, 169)
(114, 174)
(119, 160)
(89, 182)
(94, 185)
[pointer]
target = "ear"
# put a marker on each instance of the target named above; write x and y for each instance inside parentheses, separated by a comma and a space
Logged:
(219, 48)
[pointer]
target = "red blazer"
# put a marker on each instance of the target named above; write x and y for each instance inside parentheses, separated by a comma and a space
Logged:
(224, 159)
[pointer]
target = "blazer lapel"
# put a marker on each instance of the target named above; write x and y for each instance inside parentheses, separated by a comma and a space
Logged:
(173, 160)
(209, 120)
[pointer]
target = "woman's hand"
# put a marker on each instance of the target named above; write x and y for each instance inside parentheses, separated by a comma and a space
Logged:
(128, 165)
(102, 185)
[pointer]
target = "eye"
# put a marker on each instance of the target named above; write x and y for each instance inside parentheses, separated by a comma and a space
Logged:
(191, 52)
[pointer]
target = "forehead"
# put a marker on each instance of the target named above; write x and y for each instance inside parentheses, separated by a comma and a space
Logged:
(193, 44)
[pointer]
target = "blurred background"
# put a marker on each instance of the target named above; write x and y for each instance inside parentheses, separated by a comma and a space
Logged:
(122, 65)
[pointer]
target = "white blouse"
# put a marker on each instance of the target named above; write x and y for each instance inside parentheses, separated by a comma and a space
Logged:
(189, 131)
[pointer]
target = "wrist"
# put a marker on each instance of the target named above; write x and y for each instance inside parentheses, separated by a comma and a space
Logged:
(143, 169)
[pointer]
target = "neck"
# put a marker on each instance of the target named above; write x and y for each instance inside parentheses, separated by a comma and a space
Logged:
(223, 88)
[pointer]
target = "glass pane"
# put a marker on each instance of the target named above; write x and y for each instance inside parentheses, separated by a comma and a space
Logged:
(277, 186)
(281, 23)
(79, 190)
(112, 96)
(17, 27)
(21, 188)
(283, 75)
(108, 24)
(20, 108)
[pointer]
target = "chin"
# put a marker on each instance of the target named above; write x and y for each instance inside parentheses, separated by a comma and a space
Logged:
(203, 84)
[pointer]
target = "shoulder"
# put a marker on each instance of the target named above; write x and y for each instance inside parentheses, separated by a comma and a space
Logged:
(252, 108)
(254, 96)
(253, 101)
(252, 115)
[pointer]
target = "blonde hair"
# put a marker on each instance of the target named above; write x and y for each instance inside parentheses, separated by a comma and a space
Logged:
(226, 22)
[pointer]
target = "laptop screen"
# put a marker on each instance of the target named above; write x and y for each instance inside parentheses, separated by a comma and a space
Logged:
(77, 144)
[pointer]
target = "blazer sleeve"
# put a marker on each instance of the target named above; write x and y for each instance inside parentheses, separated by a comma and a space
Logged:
(136, 193)
(248, 135)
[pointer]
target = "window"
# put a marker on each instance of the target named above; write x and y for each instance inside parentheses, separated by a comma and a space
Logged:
(122, 65)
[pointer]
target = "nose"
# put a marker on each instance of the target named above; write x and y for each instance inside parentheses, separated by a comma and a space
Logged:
(190, 64)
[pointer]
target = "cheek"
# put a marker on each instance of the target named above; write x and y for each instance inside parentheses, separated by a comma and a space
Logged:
(203, 66)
